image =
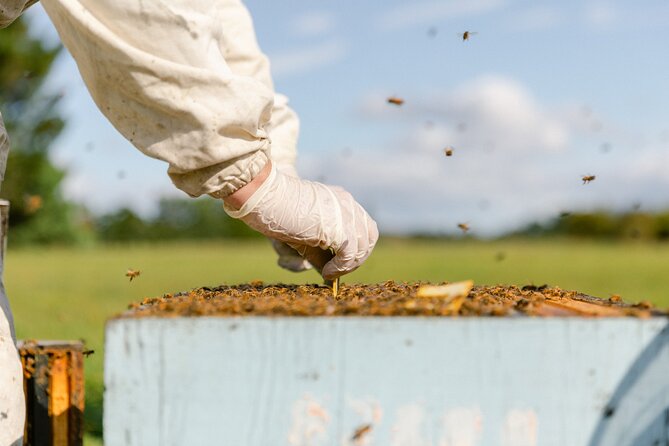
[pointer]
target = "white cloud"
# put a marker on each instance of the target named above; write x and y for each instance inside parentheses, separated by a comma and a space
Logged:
(493, 113)
(126, 188)
(412, 14)
(537, 18)
(531, 172)
(314, 23)
(307, 59)
(601, 14)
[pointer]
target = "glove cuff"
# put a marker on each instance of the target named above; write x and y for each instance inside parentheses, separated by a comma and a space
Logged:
(254, 199)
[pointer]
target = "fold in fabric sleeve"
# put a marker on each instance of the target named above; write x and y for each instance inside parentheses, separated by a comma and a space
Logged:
(4, 150)
(10, 10)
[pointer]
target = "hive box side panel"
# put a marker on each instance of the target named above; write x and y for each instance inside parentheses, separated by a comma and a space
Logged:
(382, 381)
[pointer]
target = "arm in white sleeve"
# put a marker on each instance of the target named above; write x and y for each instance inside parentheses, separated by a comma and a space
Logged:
(245, 58)
(284, 129)
(159, 72)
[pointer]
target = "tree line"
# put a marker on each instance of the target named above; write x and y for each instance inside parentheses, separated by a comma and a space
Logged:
(604, 225)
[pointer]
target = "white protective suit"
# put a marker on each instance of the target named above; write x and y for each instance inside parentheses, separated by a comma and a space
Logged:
(12, 406)
(185, 82)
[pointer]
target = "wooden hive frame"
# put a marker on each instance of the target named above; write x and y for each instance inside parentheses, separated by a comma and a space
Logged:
(53, 383)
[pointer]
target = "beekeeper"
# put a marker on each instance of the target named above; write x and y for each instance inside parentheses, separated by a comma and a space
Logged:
(185, 82)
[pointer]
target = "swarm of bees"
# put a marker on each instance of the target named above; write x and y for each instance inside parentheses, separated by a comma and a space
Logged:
(132, 273)
(588, 178)
(448, 151)
(395, 100)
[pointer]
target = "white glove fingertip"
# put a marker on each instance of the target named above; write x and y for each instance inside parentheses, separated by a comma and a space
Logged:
(294, 264)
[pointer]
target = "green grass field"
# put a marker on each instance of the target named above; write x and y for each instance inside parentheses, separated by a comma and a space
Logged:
(69, 293)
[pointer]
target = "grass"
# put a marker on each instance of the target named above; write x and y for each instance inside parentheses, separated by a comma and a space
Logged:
(63, 293)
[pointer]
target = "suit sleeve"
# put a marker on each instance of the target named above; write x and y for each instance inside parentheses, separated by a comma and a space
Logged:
(10, 10)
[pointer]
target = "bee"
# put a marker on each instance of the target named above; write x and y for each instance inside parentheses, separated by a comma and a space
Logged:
(588, 178)
(360, 432)
(132, 273)
(395, 100)
(615, 298)
(467, 34)
(87, 353)
(464, 227)
(32, 203)
(448, 151)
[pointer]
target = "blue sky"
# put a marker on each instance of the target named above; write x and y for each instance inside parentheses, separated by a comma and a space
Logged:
(544, 93)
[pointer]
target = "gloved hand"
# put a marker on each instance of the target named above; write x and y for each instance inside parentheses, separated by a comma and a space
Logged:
(307, 214)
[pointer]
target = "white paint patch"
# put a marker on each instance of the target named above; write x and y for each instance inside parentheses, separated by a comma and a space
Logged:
(461, 427)
(408, 427)
(520, 428)
(310, 422)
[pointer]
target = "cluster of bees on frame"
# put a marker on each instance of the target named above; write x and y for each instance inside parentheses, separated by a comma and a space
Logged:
(449, 150)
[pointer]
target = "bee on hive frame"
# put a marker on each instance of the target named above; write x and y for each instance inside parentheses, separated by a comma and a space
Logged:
(588, 178)
(132, 273)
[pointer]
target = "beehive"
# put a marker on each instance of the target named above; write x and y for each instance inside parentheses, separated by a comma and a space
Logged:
(53, 384)
(280, 365)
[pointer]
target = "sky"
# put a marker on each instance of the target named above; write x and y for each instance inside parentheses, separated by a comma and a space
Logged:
(542, 94)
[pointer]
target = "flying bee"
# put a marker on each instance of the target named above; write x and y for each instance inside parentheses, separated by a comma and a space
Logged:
(448, 151)
(32, 203)
(361, 432)
(87, 353)
(464, 227)
(467, 34)
(132, 273)
(588, 178)
(395, 100)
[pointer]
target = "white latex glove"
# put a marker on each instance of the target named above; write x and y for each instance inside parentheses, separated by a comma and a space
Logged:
(307, 214)
(289, 258)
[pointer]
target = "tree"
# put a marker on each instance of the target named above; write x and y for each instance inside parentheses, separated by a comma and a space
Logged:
(32, 183)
